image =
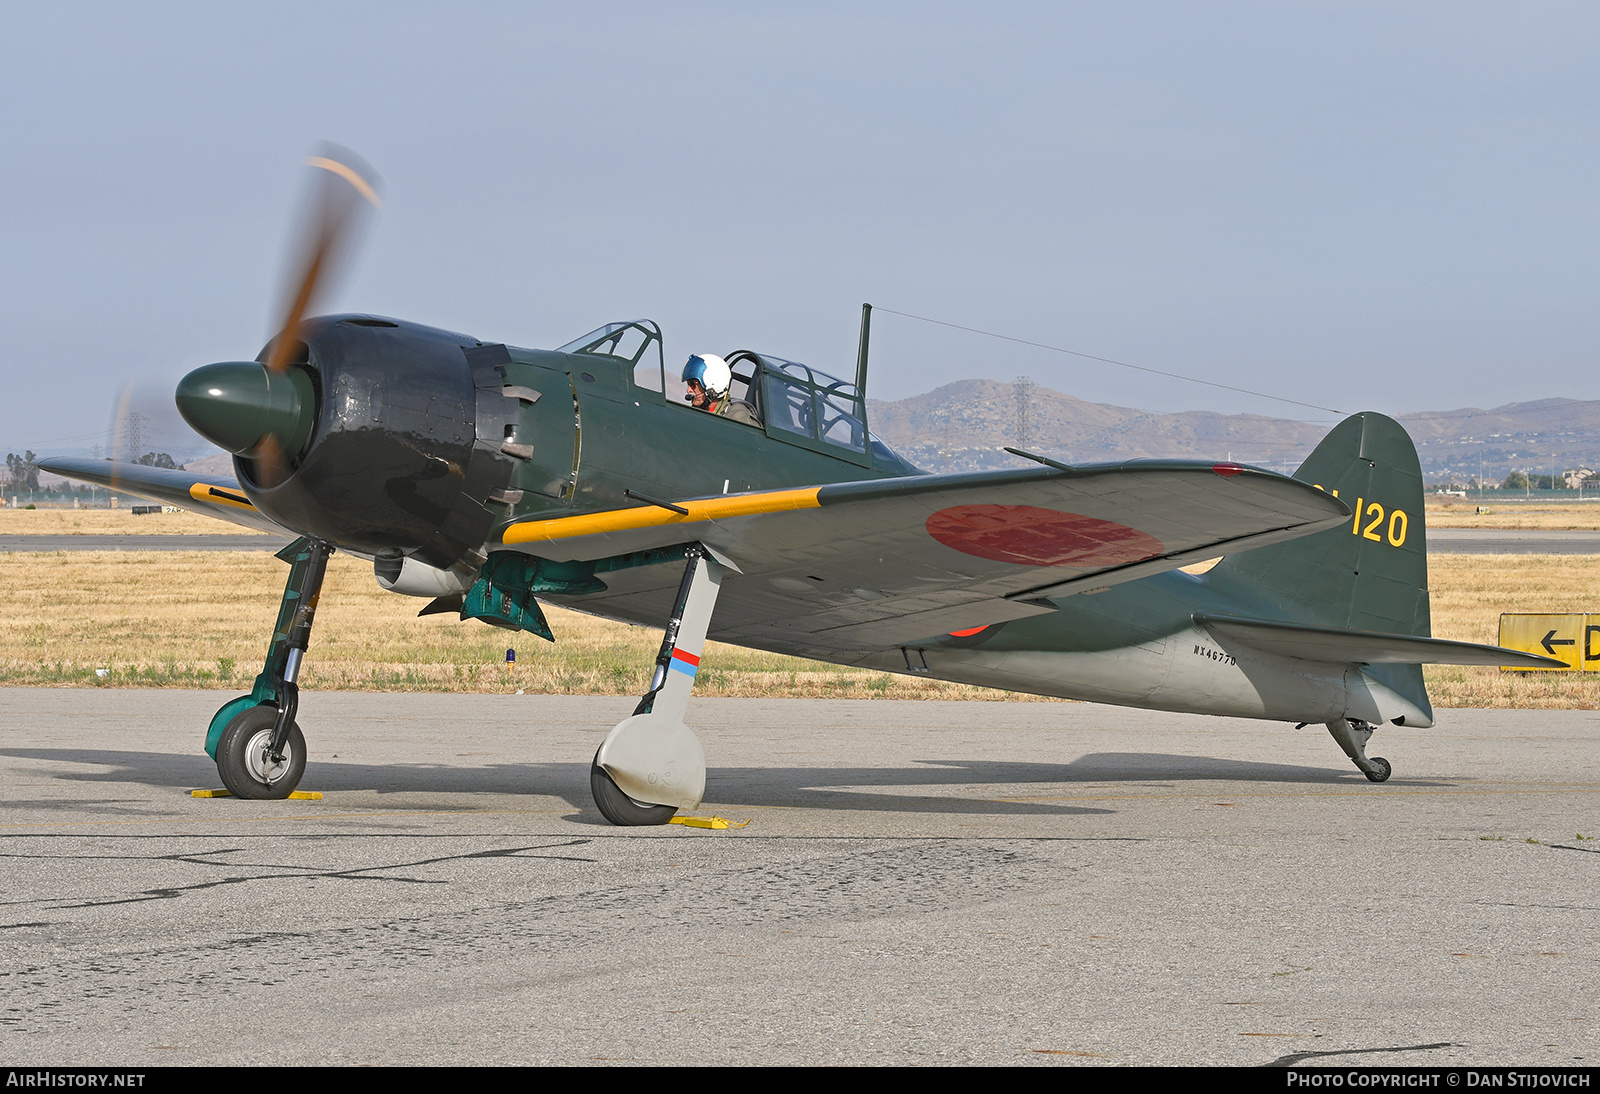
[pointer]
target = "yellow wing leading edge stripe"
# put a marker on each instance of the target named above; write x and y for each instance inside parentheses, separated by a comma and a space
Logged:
(204, 491)
(650, 516)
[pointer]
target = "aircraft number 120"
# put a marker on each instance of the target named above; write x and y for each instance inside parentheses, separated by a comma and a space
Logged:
(1369, 522)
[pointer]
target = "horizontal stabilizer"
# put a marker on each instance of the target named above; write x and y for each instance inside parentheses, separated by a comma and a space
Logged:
(1347, 647)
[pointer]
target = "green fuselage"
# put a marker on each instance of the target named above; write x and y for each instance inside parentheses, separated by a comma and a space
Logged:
(597, 433)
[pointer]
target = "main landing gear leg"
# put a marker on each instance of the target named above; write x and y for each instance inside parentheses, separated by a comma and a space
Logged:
(1353, 735)
(651, 765)
(259, 750)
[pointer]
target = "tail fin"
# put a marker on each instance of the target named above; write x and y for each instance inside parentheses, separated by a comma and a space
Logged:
(1370, 574)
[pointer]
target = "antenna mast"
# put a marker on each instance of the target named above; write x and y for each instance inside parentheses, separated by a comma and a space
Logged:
(861, 365)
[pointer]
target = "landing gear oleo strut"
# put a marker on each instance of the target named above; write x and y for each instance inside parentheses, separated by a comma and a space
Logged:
(651, 765)
(1352, 735)
(259, 749)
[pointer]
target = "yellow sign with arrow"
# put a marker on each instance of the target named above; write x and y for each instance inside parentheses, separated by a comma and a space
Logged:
(1572, 638)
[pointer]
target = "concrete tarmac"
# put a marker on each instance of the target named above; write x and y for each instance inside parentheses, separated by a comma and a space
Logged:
(1513, 541)
(918, 883)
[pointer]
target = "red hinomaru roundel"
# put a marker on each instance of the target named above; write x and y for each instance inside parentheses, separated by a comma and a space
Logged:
(1027, 535)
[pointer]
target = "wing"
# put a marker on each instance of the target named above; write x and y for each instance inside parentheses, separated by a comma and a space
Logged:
(208, 494)
(863, 566)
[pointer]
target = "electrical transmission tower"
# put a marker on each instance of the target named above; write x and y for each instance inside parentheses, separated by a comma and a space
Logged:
(1022, 394)
(135, 441)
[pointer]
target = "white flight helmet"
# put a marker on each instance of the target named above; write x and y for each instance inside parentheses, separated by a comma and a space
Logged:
(712, 372)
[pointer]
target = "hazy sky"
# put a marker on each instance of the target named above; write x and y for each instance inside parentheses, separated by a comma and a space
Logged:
(1360, 205)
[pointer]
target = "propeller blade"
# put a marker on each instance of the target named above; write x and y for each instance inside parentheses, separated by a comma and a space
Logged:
(271, 467)
(342, 186)
(120, 423)
(266, 412)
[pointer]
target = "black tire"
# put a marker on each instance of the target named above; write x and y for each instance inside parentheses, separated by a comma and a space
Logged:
(616, 806)
(1382, 774)
(242, 762)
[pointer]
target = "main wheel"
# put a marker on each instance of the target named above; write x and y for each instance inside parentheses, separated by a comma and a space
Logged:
(246, 768)
(1382, 774)
(617, 807)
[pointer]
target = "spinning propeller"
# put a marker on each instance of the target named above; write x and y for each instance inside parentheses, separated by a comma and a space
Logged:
(264, 411)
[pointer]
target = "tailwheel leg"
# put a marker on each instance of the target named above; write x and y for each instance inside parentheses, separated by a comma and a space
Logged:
(651, 765)
(1352, 735)
(259, 749)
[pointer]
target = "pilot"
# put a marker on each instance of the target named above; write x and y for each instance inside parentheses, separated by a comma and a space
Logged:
(708, 378)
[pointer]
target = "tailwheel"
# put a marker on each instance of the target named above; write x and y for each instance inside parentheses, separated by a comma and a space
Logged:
(617, 807)
(244, 756)
(1352, 734)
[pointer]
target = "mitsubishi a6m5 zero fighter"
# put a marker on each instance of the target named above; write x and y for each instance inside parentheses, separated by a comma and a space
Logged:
(488, 478)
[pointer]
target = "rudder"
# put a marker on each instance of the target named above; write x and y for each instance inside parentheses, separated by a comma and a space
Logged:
(1370, 573)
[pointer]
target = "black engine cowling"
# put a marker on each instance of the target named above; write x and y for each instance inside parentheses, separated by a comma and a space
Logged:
(404, 453)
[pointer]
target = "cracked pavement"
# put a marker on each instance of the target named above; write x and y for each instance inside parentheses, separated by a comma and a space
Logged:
(1033, 883)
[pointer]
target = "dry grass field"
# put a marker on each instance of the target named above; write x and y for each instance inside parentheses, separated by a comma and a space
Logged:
(1469, 592)
(111, 522)
(1552, 515)
(201, 619)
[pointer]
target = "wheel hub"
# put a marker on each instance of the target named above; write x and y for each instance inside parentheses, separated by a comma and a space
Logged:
(259, 759)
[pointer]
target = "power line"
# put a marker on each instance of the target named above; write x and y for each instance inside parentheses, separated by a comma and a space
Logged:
(62, 440)
(1108, 360)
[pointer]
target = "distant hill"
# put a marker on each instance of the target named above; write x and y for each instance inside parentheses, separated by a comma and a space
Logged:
(966, 425)
(220, 463)
(1529, 436)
